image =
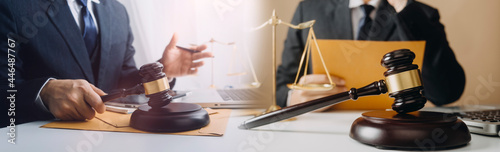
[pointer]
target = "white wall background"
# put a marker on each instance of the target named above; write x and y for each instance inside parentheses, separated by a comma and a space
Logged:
(196, 22)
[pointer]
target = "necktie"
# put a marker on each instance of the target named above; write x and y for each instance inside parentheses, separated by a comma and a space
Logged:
(365, 23)
(89, 29)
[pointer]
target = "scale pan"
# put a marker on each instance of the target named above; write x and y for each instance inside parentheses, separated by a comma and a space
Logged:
(311, 87)
(255, 84)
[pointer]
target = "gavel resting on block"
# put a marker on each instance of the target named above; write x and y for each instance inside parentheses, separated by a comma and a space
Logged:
(403, 128)
(160, 115)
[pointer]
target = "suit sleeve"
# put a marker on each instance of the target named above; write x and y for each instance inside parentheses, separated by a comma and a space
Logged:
(24, 108)
(130, 74)
(443, 77)
(290, 59)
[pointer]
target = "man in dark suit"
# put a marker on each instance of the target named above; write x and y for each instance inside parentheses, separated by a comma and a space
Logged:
(68, 53)
(386, 20)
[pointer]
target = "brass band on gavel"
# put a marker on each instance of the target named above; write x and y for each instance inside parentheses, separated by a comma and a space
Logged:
(403, 80)
(156, 86)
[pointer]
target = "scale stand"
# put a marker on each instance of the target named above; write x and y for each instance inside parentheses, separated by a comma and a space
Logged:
(212, 41)
(256, 83)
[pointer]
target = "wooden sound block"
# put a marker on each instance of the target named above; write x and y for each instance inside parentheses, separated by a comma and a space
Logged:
(174, 117)
(418, 130)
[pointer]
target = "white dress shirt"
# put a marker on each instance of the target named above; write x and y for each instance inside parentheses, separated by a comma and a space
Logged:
(76, 12)
(77, 8)
(357, 13)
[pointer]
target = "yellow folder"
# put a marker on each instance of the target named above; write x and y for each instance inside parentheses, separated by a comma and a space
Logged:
(358, 63)
(118, 122)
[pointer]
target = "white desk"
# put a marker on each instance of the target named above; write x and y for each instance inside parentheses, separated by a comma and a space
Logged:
(310, 132)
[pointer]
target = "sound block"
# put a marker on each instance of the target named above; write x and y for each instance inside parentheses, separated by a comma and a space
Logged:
(174, 117)
(418, 130)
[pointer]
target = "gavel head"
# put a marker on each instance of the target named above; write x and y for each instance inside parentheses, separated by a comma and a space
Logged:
(403, 81)
(155, 84)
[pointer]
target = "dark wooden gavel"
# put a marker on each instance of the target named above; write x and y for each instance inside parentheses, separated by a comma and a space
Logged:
(402, 81)
(160, 115)
(154, 84)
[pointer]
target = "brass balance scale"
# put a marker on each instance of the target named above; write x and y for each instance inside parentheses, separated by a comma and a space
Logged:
(311, 38)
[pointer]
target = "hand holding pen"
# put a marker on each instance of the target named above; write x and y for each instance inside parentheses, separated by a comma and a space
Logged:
(180, 61)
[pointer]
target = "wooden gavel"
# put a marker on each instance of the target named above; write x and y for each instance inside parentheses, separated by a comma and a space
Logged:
(402, 81)
(154, 84)
(160, 115)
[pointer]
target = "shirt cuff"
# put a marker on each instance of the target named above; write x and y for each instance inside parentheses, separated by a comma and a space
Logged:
(38, 100)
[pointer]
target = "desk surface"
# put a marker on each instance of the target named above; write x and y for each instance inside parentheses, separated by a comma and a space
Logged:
(310, 132)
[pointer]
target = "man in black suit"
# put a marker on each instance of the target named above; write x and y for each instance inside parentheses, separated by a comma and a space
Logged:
(386, 20)
(68, 53)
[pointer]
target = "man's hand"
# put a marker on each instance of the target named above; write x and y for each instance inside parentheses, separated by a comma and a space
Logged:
(299, 96)
(398, 5)
(72, 99)
(177, 62)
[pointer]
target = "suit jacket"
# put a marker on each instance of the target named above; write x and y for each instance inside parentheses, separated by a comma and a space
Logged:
(443, 77)
(50, 44)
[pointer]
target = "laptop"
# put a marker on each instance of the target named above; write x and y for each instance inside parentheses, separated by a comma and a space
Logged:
(480, 119)
(228, 98)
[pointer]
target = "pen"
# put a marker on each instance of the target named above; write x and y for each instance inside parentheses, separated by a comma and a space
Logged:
(186, 49)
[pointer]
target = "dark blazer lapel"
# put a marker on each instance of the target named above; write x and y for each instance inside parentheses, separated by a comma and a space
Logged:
(383, 24)
(341, 20)
(102, 12)
(60, 15)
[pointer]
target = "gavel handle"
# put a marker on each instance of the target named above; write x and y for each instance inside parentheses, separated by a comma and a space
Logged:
(138, 89)
(375, 88)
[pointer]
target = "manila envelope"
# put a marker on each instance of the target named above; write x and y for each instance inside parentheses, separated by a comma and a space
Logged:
(111, 121)
(358, 63)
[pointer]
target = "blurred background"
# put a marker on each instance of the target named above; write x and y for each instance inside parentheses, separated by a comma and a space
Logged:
(472, 28)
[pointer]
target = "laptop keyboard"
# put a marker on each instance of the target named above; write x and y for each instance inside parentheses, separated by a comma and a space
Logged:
(238, 94)
(483, 115)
